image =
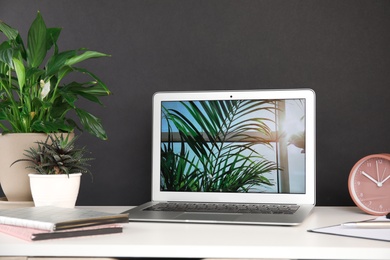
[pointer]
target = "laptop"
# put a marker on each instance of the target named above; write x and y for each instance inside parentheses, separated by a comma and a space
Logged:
(232, 157)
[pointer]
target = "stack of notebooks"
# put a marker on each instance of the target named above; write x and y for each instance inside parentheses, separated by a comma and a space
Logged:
(48, 222)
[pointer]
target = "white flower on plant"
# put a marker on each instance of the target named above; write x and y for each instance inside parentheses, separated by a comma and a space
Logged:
(45, 88)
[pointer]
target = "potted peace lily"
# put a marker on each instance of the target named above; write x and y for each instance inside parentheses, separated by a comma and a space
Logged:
(38, 97)
(57, 165)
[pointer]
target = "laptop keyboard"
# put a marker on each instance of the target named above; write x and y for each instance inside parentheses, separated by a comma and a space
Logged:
(224, 207)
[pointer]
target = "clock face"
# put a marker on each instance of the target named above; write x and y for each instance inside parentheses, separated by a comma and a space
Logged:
(369, 184)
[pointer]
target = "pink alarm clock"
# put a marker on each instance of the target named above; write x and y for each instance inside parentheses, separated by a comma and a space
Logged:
(369, 184)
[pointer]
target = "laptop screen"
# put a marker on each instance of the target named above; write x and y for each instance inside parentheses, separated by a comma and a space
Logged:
(234, 145)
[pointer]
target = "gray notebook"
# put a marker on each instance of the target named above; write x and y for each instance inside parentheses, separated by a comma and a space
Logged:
(232, 157)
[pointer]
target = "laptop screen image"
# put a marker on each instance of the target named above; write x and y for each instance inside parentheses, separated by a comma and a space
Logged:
(234, 146)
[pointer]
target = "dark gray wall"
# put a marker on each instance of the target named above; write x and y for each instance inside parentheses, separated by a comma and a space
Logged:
(338, 48)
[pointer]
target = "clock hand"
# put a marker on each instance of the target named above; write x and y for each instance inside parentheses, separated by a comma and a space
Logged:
(377, 170)
(388, 177)
(369, 177)
(383, 174)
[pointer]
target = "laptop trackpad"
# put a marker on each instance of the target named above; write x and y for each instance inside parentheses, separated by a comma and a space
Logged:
(207, 216)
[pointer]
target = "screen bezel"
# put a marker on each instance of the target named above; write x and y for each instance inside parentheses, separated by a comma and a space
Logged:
(307, 198)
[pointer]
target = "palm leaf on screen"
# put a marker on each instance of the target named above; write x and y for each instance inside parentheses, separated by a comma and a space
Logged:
(214, 135)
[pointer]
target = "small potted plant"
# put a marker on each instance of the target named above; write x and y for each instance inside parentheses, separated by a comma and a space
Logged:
(57, 166)
(38, 96)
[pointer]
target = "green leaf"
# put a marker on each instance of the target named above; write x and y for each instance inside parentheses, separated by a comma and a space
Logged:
(20, 72)
(102, 85)
(37, 103)
(52, 36)
(63, 72)
(85, 56)
(88, 90)
(69, 97)
(36, 42)
(8, 31)
(6, 53)
(90, 97)
(57, 62)
(33, 74)
(60, 108)
(50, 127)
(20, 47)
(91, 123)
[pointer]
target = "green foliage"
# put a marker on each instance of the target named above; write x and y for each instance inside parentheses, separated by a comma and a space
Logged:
(208, 159)
(57, 155)
(33, 97)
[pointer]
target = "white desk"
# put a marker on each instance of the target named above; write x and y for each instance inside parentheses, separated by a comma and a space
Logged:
(213, 241)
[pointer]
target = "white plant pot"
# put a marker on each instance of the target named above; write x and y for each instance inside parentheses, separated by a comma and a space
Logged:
(56, 190)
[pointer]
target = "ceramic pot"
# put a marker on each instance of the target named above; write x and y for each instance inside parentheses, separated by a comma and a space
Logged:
(59, 190)
(14, 180)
